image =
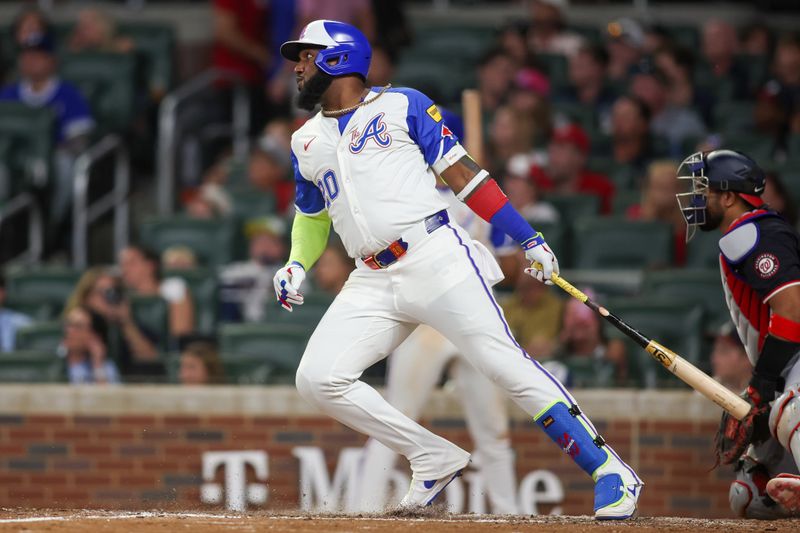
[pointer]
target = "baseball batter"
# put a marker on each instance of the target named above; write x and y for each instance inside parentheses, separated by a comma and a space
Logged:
(415, 368)
(366, 163)
(760, 267)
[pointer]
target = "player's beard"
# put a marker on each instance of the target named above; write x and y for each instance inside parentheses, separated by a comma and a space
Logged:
(313, 89)
(713, 217)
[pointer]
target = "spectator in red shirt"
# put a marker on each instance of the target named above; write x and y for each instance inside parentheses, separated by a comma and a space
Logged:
(241, 46)
(566, 171)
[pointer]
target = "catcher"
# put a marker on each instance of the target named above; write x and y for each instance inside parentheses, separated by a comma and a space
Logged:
(760, 268)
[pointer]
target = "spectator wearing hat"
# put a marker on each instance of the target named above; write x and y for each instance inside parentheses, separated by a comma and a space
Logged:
(39, 86)
(548, 32)
(625, 42)
(729, 363)
(566, 171)
(673, 122)
(246, 287)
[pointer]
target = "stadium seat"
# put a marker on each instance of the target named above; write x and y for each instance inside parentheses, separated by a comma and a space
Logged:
(41, 291)
(250, 203)
(26, 145)
(557, 68)
(578, 113)
(152, 313)
(700, 287)
(676, 325)
(757, 67)
(734, 117)
(557, 237)
(589, 372)
(204, 287)
(155, 45)
(703, 250)
(211, 240)
(31, 367)
(244, 371)
(442, 85)
(108, 81)
(574, 206)
(613, 243)
(592, 34)
(624, 199)
(685, 35)
(279, 346)
(315, 304)
(758, 146)
(40, 336)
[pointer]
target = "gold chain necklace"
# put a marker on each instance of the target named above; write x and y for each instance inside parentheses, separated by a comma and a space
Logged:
(346, 110)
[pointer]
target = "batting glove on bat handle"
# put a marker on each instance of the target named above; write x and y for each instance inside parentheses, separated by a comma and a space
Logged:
(543, 261)
(287, 283)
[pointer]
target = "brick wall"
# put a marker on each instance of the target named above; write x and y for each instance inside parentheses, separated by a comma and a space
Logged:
(141, 447)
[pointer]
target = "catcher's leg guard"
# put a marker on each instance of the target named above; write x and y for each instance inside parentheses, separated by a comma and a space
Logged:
(784, 421)
(614, 497)
(748, 493)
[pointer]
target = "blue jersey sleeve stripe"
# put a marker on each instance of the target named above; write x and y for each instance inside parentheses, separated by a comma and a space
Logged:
(432, 136)
(308, 198)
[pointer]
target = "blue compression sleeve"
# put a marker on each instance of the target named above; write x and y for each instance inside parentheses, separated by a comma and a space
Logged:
(512, 224)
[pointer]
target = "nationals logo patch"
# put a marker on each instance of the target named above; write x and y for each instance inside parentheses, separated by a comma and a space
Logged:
(767, 265)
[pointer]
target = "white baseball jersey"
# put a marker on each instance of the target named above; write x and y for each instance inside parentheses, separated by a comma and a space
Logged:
(371, 169)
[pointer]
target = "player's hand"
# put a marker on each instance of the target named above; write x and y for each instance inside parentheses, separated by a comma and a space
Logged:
(287, 283)
(543, 261)
(734, 436)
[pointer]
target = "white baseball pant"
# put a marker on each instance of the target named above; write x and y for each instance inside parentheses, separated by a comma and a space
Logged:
(439, 282)
(415, 368)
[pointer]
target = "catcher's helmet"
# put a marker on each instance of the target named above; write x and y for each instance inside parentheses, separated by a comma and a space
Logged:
(720, 170)
(337, 41)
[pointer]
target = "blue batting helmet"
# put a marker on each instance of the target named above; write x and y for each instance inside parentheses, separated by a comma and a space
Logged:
(343, 43)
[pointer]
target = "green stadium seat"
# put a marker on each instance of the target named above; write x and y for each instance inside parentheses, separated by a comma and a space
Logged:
(155, 44)
(440, 83)
(757, 67)
(26, 145)
(592, 34)
(794, 146)
(446, 47)
(243, 371)
(557, 237)
(31, 367)
(589, 372)
(574, 206)
(211, 240)
(315, 304)
(624, 199)
(580, 114)
(685, 35)
(676, 325)
(40, 336)
(557, 68)
(703, 250)
(108, 81)
(613, 243)
(279, 346)
(250, 203)
(759, 147)
(41, 292)
(152, 313)
(699, 287)
(204, 287)
(734, 117)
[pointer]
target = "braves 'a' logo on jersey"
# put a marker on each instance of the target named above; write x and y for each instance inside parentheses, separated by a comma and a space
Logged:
(375, 130)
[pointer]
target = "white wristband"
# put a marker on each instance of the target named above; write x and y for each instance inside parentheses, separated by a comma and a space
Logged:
(473, 183)
(449, 159)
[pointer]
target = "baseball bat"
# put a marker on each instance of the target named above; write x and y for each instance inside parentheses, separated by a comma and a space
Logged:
(473, 125)
(683, 369)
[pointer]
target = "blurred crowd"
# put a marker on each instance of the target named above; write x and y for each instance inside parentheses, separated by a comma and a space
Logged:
(607, 114)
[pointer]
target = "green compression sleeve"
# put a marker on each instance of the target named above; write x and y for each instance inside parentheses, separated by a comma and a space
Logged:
(309, 238)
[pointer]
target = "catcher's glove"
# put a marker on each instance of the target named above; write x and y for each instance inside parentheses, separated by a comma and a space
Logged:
(733, 436)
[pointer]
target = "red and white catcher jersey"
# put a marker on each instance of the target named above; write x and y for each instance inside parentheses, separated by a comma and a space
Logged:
(760, 256)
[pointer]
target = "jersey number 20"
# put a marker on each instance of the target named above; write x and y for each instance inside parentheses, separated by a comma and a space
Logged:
(329, 187)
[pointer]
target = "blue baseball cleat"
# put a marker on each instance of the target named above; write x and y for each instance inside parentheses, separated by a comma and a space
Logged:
(613, 500)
